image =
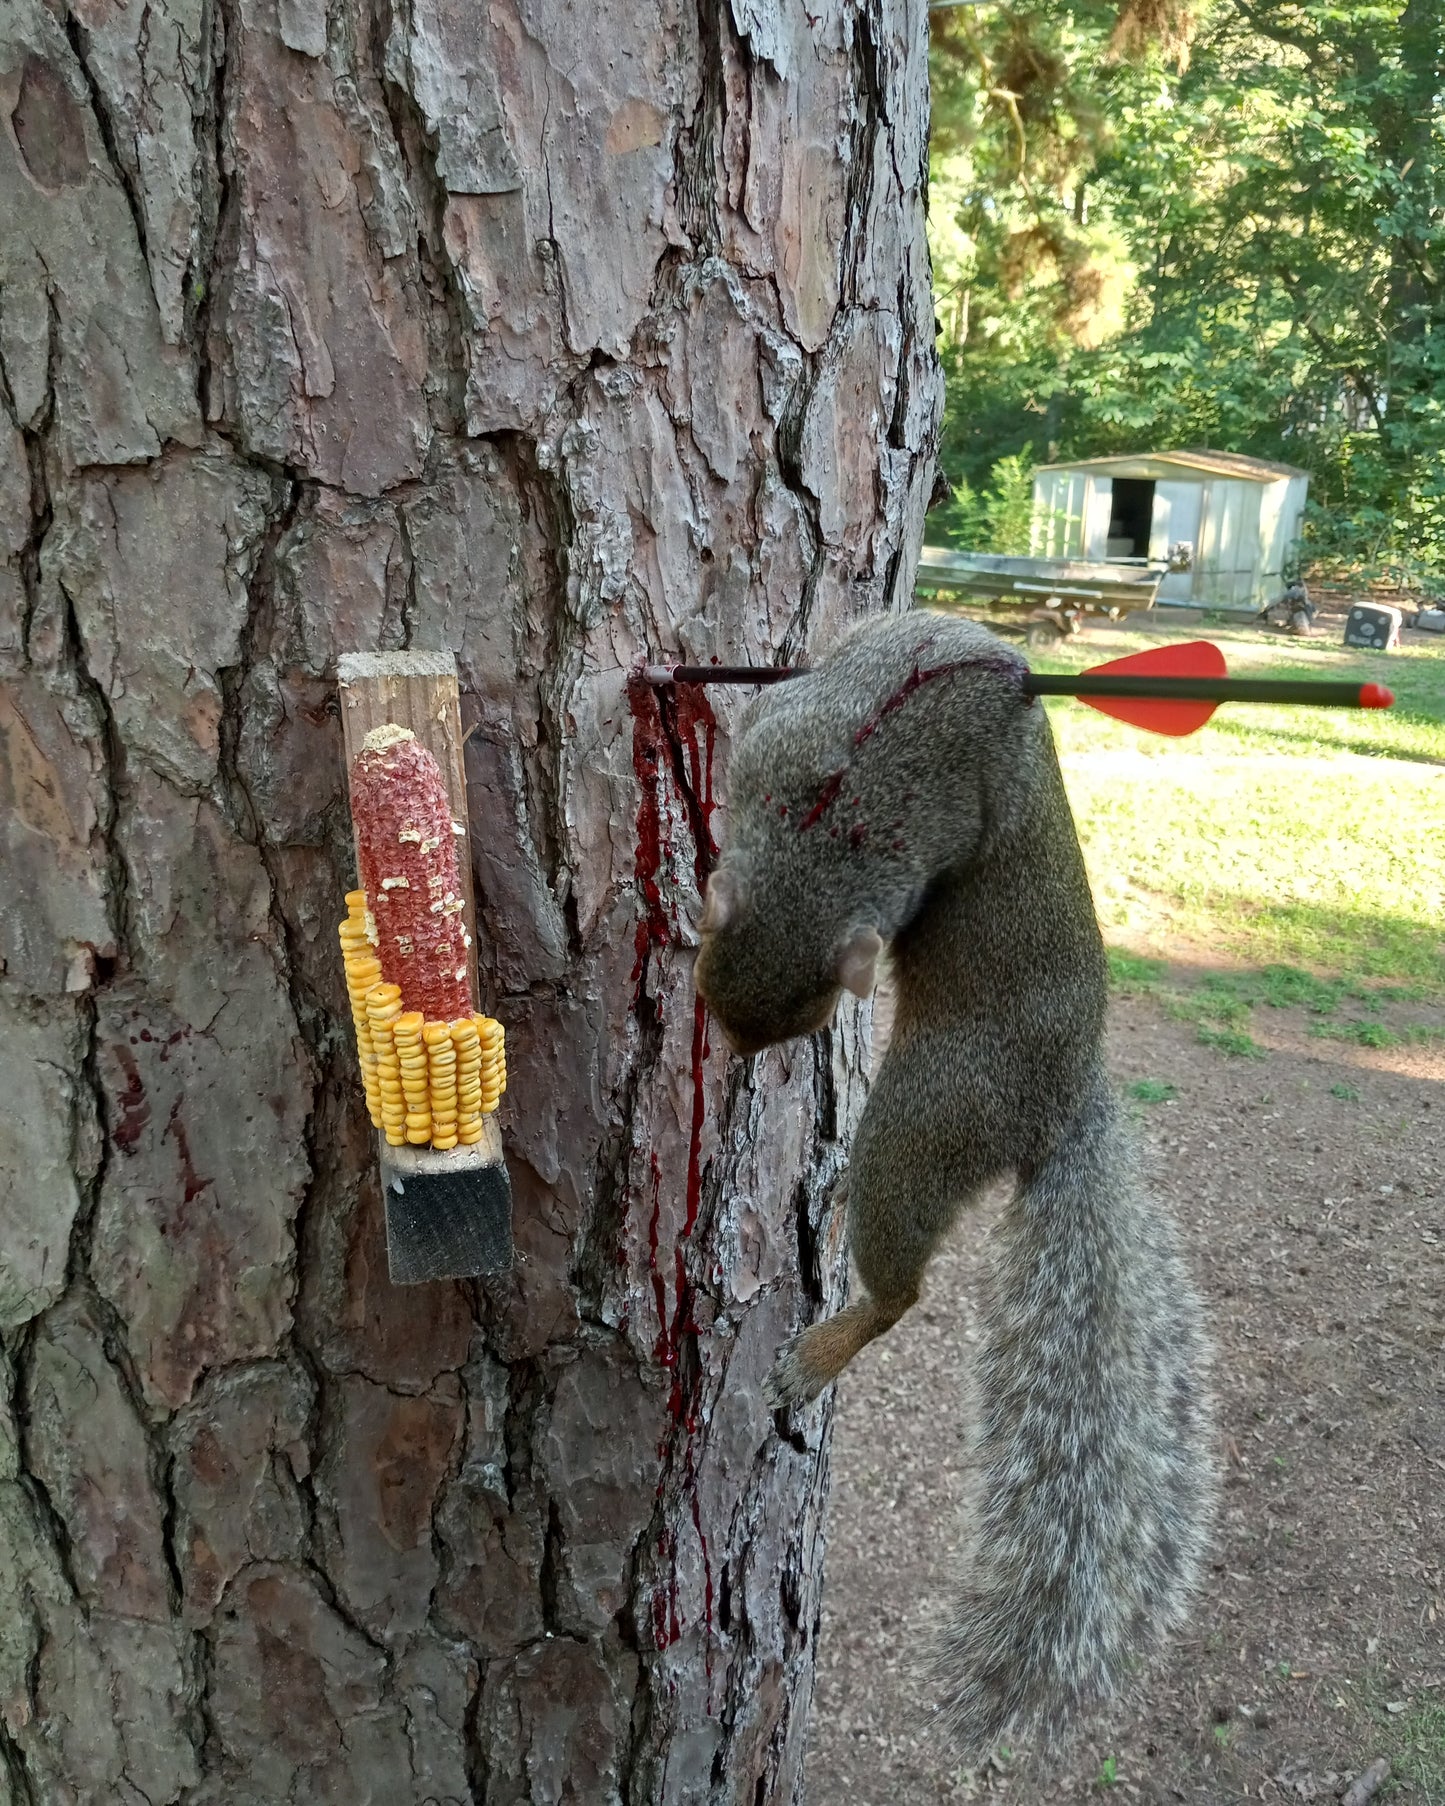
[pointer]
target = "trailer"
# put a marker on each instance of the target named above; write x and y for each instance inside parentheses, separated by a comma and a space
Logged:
(1055, 593)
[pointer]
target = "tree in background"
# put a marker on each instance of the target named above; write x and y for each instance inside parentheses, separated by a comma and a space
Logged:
(556, 335)
(1238, 240)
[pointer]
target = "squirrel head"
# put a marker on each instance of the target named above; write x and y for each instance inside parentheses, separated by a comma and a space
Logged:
(764, 988)
(849, 790)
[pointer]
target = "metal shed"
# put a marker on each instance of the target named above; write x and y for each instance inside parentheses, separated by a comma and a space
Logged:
(1241, 515)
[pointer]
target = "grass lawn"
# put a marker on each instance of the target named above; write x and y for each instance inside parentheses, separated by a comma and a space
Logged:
(1275, 837)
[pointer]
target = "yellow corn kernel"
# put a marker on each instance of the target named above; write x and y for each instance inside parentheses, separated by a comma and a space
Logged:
(411, 1061)
(388, 1078)
(450, 1048)
(493, 1038)
(362, 971)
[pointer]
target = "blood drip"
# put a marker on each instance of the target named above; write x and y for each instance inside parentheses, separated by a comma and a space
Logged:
(684, 725)
(408, 855)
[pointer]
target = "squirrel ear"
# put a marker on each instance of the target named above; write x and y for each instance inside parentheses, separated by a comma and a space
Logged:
(858, 963)
(720, 904)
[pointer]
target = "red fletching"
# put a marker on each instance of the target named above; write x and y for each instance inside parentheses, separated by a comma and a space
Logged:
(1376, 696)
(1195, 658)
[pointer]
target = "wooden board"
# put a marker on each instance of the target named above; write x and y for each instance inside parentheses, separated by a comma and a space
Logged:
(417, 690)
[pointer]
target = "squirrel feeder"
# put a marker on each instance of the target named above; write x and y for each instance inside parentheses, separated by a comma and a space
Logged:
(433, 1067)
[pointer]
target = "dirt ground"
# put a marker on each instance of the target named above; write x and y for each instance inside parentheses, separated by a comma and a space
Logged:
(1311, 1188)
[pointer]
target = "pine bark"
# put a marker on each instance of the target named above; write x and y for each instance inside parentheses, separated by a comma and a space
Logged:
(554, 334)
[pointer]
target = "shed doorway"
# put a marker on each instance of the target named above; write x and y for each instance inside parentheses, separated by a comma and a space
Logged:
(1131, 517)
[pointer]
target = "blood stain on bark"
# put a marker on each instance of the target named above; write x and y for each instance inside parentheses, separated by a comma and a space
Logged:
(135, 1112)
(686, 722)
(649, 762)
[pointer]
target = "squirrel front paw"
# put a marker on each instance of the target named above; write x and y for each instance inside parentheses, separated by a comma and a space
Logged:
(794, 1380)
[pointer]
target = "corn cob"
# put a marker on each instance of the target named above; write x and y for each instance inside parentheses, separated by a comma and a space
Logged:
(468, 1050)
(362, 970)
(492, 1039)
(383, 1006)
(442, 1083)
(406, 1033)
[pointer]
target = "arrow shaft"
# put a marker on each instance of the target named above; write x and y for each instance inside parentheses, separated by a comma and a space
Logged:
(720, 674)
(1199, 689)
(1120, 685)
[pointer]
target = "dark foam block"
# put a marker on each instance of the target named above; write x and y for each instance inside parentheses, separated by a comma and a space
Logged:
(448, 1215)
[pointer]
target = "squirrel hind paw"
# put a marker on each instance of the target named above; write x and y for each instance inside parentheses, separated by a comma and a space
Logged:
(792, 1381)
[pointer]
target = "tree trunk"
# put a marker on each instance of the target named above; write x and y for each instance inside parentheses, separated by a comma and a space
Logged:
(553, 333)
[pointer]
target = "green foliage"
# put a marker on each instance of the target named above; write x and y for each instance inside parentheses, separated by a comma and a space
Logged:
(1247, 252)
(1153, 1091)
(1132, 973)
(1362, 1034)
(1233, 1041)
(1419, 1753)
(997, 518)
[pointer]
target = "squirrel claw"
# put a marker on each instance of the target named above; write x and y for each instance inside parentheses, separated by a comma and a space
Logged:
(792, 1382)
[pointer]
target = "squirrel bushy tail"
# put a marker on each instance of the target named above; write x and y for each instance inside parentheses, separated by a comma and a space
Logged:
(906, 794)
(1092, 1486)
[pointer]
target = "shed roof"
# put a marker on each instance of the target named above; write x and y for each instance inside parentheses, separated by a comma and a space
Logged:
(1215, 463)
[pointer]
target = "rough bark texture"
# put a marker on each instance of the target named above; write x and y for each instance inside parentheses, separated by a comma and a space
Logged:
(551, 333)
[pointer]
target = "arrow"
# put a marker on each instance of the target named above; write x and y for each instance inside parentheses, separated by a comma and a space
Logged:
(1166, 689)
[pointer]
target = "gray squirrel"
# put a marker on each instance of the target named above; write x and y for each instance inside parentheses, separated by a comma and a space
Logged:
(905, 794)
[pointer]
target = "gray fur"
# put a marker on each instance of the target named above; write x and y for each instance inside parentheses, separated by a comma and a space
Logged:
(908, 786)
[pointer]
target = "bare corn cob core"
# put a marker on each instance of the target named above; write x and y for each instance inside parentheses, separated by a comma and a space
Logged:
(406, 846)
